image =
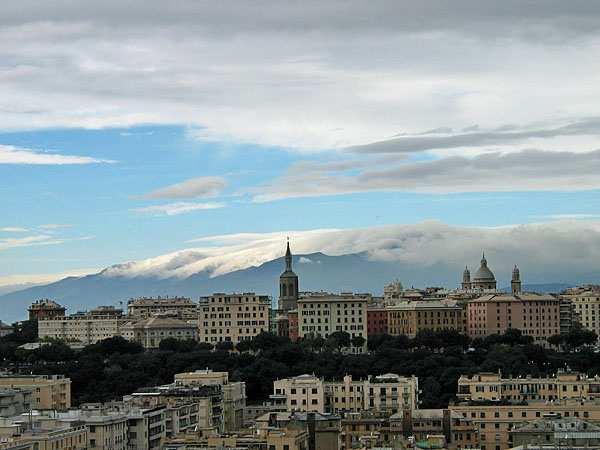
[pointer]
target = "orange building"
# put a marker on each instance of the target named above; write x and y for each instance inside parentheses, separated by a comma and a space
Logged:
(45, 309)
(377, 322)
(536, 315)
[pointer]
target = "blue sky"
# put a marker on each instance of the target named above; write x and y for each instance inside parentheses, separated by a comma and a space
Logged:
(344, 115)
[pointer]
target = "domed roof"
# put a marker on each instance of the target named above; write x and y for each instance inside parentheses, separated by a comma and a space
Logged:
(484, 273)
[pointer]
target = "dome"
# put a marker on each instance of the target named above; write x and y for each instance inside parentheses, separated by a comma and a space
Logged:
(484, 273)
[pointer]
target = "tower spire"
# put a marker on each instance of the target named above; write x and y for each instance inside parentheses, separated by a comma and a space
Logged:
(288, 256)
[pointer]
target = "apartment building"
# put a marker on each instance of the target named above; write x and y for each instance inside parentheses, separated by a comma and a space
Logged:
(234, 393)
(47, 391)
(84, 327)
(536, 315)
(377, 320)
(495, 420)
(146, 428)
(150, 332)
(14, 401)
(106, 430)
(45, 309)
(586, 305)
(563, 385)
(321, 314)
(144, 307)
(459, 432)
(387, 394)
(409, 318)
(42, 433)
(232, 317)
(557, 432)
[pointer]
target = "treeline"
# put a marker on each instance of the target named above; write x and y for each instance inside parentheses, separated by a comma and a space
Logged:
(115, 367)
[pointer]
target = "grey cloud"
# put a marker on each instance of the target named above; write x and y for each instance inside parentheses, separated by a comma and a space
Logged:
(501, 136)
(525, 170)
(193, 188)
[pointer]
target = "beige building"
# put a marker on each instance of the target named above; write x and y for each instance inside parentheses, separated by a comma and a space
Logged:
(321, 314)
(232, 317)
(386, 394)
(234, 393)
(150, 332)
(47, 391)
(105, 430)
(42, 433)
(15, 401)
(495, 420)
(145, 307)
(492, 387)
(146, 428)
(83, 328)
(409, 318)
(536, 315)
(586, 305)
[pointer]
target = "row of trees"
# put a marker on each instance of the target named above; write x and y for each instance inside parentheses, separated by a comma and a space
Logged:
(116, 367)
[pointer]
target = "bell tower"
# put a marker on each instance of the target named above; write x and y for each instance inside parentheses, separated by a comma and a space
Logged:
(515, 282)
(288, 284)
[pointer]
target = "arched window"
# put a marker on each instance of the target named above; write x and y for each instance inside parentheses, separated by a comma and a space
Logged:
(284, 290)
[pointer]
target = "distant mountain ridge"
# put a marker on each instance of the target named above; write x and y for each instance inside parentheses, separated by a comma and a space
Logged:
(316, 271)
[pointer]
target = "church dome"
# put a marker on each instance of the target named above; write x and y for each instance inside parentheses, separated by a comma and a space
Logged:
(484, 273)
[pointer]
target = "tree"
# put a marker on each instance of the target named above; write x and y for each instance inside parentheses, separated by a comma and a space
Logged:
(357, 341)
(243, 346)
(338, 340)
(225, 346)
(177, 345)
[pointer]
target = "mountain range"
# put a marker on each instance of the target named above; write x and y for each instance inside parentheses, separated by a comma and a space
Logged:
(317, 271)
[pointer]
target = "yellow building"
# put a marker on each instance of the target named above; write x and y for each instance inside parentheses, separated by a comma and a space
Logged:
(234, 393)
(321, 314)
(409, 318)
(587, 308)
(492, 387)
(150, 332)
(48, 391)
(232, 317)
(145, 307)
(494, 420)
(43, 433)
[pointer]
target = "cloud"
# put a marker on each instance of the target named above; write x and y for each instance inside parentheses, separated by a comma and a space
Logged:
(305, 76)
(54, 226)
(16, 155)
(13, 230)
(35, 240)
(192, 188)
(425, 141)
(173, 209)
(554, 250)
(16, 282)
(523, 170)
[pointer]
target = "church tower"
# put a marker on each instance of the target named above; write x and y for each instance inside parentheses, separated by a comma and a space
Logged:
(515, 282)
(466, 282)
(288, 284)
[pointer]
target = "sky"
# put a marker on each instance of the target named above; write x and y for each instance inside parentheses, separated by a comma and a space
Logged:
(131, 131)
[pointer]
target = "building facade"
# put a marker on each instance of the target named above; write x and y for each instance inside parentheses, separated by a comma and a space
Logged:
(377, 320)
(232, 317)
(536, 315)
(409, 318)
(83, 328)
(48, 391)
(144, 307)
(152, 331)
(321, 314)
(586, 305)
(45, 309)
(386, 394)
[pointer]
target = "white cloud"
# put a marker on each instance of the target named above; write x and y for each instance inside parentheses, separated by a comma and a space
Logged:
(54, 226)
(37, 240)
(309, 75)
(192, 188)
(13, 230)
(16, 155)
(173, 209)
(488, 172)
(555, 249)
(28, 279)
